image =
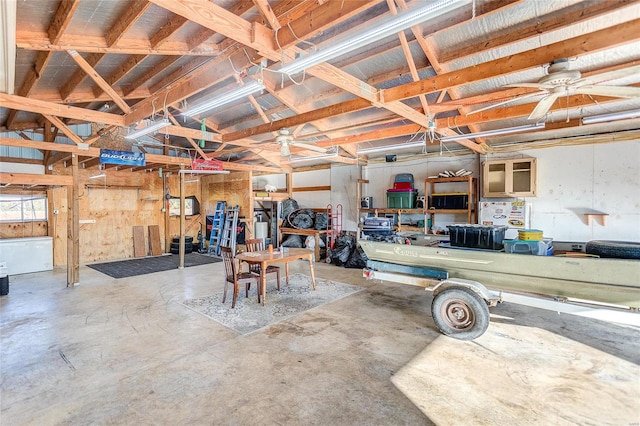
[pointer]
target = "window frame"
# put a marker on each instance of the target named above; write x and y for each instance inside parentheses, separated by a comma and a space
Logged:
(26, 205)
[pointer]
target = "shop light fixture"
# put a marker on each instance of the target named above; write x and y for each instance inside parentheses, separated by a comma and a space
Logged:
(222, 99)
(151, 127)
(611, 117)
(496, 132)
(391, 147)
(98, 176)
(380, 30)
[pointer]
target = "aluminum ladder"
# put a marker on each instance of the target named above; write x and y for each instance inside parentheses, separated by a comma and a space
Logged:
(216, 228)
(230, 229)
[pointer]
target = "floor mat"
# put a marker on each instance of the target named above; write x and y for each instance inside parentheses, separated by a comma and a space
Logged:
(293, 299)
(148, 265)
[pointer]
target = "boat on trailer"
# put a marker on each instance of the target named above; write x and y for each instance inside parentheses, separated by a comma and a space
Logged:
(493, 277)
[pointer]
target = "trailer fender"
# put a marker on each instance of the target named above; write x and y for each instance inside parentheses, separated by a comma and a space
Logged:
(489, 297)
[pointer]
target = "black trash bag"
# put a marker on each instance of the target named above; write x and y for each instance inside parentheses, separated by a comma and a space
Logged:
(342, 249)
(288, 206)
(357, 259)
(302, 218)
(321, 221)
(292, 241)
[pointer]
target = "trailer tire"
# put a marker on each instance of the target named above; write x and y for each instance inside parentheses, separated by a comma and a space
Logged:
(460, 313)
(614, 249)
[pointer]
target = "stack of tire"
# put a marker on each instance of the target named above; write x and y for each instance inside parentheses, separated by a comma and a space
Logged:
(175, 245)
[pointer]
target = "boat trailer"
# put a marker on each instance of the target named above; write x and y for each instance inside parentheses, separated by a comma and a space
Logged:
(460, 307)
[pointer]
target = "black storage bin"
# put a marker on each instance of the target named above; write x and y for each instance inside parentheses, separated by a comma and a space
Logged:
(451, 201)
(477, 236)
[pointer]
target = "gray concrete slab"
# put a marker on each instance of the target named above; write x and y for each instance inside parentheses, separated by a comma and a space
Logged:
(126, 352)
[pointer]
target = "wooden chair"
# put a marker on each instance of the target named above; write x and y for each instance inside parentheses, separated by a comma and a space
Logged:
(257, 244)
(234, 277)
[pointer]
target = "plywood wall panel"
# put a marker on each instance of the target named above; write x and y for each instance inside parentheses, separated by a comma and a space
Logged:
(109, 213)
(23, 230)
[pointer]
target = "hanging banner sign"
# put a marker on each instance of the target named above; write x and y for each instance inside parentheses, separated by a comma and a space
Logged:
(205, 164)
(123, 158)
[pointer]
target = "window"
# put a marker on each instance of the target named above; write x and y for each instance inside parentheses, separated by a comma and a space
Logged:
(23, 208)
(191, 206)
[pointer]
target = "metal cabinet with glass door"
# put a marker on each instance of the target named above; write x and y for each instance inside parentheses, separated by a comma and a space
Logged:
(509, 178)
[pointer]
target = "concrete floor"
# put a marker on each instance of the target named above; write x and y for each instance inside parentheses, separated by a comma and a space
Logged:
(126, 352)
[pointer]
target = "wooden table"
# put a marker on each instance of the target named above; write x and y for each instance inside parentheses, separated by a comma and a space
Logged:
(264, 258)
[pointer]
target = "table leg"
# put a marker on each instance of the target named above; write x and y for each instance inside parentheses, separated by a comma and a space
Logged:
(313, 277)
(286, 271)
(263, 282)
(317, 247)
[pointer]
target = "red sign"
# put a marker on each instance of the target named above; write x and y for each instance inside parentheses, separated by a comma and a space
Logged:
(205, 164)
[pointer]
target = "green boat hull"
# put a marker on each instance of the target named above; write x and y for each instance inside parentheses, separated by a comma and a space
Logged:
(611, 281)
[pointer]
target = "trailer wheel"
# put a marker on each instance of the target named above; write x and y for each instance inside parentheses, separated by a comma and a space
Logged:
(460, 313)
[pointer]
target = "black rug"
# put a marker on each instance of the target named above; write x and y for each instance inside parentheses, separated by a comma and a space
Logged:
(148, 265)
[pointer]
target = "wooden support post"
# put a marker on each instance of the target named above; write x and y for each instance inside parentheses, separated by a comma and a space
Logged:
(73, 227)
(182, 219)
(289, 177)
(249, 230)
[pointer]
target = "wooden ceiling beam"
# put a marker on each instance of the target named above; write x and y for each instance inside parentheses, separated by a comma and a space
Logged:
(212, 16)
(86, 67)
(140, 81)
(189, 138)
(121, 71)
(267, 13)
(64, 128)
(33, 40)
(33, 179)
(321, 18)
(534, 27)
(205, 33)
(79, 75)
(91, 152)
(62, 19)
(135, 9)
(199, 79)
(168, 29)
(330, 111)
(33, 105)
(593, 42)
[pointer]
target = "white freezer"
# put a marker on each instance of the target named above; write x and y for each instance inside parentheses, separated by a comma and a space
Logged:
(24, 255)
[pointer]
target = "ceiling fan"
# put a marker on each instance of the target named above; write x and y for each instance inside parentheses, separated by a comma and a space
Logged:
(561, 80)
(285, 139)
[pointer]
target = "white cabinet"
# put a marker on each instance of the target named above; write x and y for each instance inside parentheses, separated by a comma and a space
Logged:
(509, 178)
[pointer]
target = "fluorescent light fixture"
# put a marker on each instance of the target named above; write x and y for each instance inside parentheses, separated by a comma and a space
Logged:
(151, 127)
(391, 147)
(221, 99)
(98, 176)
(496, 132)
(385, 28)
(314, 157)
(611, 117)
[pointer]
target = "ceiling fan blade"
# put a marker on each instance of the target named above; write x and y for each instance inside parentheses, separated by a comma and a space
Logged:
(543, 106)
(610, 75)
(529, 95)
(311, 147)
(611, 91)
(284, 150)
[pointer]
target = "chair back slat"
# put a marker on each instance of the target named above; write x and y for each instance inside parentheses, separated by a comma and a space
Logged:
(229, 263)
(255, 244)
